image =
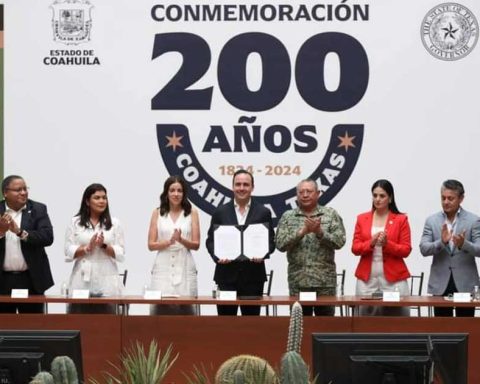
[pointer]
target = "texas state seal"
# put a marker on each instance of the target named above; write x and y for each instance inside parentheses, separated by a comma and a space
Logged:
(449, 31)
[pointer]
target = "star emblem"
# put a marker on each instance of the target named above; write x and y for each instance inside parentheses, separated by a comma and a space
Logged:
(449, 32)
(174, 141)
(346, 141)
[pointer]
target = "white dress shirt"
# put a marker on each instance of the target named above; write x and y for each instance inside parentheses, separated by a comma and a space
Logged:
(14, 260)
(452, 227)
(242, 217)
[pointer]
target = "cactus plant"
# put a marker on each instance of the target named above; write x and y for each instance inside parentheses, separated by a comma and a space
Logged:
(238, 377)
(42, 378)
(293, 369)
(295, 330)
(255, 369)
(64, 370)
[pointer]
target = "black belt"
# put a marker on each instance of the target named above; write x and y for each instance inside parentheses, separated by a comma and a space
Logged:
(14, 272)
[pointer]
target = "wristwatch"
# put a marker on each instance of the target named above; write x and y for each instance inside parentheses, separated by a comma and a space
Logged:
(103, 246)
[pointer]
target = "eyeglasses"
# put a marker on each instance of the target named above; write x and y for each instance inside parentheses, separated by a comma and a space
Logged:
(18, 190)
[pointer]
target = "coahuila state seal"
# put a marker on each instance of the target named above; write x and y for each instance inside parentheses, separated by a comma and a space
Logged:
(449, 31)
(71, 21)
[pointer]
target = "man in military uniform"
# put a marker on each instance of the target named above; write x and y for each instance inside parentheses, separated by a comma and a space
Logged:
(310, 234)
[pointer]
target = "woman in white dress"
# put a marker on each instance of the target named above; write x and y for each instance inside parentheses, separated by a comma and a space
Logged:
(382, 240)
(174, 231)
(94, 241)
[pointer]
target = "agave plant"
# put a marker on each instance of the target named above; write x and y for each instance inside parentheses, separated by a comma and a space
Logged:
(200, 375)
(138, 367)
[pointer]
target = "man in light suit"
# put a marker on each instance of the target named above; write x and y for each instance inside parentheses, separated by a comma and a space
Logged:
(453, 238)
(242, 275)
(25, 230)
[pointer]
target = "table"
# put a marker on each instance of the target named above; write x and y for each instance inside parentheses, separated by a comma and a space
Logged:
(210, 340)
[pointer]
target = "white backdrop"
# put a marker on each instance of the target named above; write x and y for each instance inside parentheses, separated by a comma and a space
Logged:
(67, 126)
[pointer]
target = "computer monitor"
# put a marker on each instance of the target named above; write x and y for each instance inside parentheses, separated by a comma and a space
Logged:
(24, 353)
(393, 358)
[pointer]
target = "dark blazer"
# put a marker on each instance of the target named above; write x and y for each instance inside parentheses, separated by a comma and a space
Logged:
(36, 222)
(245, 270)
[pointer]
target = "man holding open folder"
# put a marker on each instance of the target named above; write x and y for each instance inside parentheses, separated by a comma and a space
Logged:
(245, 275)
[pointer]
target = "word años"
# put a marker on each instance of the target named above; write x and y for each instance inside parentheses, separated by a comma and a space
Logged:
(276, 138)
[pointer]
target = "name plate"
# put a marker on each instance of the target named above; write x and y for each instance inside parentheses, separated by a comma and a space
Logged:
(19, 294)
(80, 294)
(307, 296)
(391, 296)
(152, 295)
(227, 295)
(461, 297)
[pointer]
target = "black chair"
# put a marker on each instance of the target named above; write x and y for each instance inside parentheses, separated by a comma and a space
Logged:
(123, 309)
(124, 277)
(341, 286)
(416, 285)
(267, 292)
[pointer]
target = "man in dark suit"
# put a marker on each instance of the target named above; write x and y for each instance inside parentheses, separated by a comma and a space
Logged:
(245, 276)
(25, 230)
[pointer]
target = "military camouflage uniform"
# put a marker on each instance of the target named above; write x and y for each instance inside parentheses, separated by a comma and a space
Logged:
(311, 261)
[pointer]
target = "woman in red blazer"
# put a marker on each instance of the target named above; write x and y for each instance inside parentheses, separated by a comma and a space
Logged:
(382, 240)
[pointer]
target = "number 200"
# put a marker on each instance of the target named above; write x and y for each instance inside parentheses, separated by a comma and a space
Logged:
(276, 71)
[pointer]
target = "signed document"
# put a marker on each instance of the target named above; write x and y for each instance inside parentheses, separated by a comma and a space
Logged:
(255, 241)
(227, 240)
(234, 241)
